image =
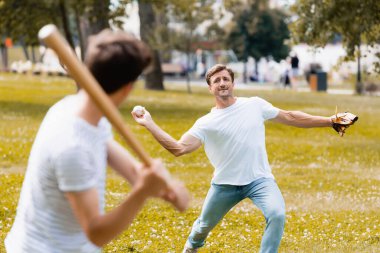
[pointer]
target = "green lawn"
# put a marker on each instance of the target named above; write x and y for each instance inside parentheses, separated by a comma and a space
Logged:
(331, 185)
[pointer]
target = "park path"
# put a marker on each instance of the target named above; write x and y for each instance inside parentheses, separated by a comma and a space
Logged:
(255, 86)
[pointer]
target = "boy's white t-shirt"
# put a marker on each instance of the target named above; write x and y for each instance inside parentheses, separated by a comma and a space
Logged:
(234, 140)
(68, 155)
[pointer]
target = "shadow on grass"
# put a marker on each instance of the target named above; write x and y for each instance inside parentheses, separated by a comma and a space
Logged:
(23, 109)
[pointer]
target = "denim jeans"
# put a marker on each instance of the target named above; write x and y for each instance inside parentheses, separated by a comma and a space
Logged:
(263, 192)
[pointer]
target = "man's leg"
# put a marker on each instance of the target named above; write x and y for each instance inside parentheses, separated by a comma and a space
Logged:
(219, 200)
(266, 195)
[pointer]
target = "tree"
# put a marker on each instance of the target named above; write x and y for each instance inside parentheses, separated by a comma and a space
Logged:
(155, 20)
(258, 31)
(154, 79)
(357, 22)
(65, 22)
(80, 19)
(190, 14)
(216, 35)
(21, 20)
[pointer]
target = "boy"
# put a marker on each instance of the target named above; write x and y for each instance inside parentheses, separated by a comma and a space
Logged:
(61, 207)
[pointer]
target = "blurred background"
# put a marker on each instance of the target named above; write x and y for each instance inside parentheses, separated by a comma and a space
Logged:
(301, 45)
(280, 50)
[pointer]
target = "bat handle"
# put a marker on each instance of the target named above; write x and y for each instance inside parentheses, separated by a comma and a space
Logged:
(78, 71)
(50, 35)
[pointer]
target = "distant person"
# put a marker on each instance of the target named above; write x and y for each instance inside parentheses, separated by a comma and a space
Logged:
(233, 135)
(294, 62)
(286, 79)
(285, 69)
(61, 207)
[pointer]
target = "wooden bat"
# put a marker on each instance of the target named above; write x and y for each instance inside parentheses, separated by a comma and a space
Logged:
(80, 73)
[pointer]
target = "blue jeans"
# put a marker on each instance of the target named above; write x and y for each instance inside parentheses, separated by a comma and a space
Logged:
(263, 192)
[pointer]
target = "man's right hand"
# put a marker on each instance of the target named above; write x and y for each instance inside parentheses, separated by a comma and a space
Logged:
(144, 119)
(156, 182)
(102, 228)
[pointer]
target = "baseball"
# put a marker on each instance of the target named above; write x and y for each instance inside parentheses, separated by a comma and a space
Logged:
(138, 110)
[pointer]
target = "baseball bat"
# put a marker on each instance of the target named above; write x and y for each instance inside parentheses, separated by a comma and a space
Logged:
(80, 73)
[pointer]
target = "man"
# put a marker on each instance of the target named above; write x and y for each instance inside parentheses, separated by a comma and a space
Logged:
(294, 63)
(61, 208)
(233, 135)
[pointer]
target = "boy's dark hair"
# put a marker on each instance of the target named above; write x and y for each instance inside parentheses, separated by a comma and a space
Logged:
(116, 59)
(217, 68)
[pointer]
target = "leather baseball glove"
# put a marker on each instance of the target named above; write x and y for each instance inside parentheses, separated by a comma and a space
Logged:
(341, 121)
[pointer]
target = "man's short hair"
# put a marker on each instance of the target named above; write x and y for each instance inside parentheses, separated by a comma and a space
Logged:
(116, 59)
(217, 68)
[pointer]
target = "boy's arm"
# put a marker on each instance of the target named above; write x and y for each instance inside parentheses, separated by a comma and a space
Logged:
(186, 144)
(102, 228)
(120, 160)
(301, 119)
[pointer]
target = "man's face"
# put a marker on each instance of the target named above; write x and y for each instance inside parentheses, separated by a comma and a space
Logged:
(221, 84)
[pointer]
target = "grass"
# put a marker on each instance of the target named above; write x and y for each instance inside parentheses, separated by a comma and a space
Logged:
(331, 185)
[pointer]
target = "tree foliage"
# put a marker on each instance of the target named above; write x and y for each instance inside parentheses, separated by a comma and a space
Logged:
(149, 25)
(189, 14)
(358, 22)
(156, 29)
(21, 19)
(24, 18)
(258, 31)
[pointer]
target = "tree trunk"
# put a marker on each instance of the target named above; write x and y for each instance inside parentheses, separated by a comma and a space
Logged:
(65, 23)
(91, 22)
(33, 53)
(188, 63)
(154, 79)
(100, 11)
(257, 69)
(245, 58)
(359, 85)
(80, 35)
(188, 73)
(4, 57)
(84, 26)
(245, 80)
(25, 50)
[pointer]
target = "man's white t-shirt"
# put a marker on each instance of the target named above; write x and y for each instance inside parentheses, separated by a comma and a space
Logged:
(68, 155)
(234, 140)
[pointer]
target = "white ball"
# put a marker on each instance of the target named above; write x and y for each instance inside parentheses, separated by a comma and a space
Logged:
(139, 110)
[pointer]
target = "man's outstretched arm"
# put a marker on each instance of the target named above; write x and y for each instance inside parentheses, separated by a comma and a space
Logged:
(301, 119)
(186, 144)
